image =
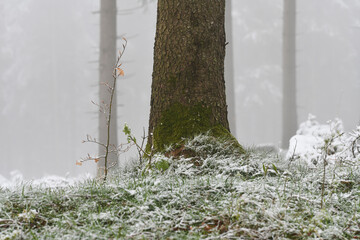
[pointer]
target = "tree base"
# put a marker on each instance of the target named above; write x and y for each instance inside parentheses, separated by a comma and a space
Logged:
(180, 123)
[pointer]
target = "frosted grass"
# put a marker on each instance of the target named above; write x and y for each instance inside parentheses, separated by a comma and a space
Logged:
(217, 195)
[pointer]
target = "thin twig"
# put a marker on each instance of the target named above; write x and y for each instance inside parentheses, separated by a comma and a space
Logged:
(115, 75)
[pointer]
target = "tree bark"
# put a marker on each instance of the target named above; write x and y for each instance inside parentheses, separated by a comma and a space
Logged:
(289, 115)
(107, 62)
(188, 87)
(229, 69)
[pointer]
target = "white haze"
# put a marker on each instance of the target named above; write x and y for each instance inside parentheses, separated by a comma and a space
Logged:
(49, 75)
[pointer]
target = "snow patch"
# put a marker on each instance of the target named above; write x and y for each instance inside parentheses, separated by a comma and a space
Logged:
(311, 139)
(51, 181)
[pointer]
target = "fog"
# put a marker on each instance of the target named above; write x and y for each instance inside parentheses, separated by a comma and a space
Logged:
(49, 75)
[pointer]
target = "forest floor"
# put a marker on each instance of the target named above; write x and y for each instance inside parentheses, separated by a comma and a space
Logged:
(218, 195)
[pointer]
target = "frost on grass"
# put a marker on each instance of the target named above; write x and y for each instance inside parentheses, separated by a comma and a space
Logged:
(215, 195)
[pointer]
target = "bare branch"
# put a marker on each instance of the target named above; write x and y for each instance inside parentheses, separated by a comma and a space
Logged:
(106, 109)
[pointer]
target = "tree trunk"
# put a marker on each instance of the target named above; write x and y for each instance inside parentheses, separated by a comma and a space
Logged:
(229, 69)
(188, 87)
(289, 114)
(107, 62)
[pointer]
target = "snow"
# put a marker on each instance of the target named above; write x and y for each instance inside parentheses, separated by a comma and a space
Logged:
(28, 215)
(50, 181)
(261, 195)
(312, 138)
(307, 146)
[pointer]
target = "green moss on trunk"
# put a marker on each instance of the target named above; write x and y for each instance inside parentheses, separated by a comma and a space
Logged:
(182, 122)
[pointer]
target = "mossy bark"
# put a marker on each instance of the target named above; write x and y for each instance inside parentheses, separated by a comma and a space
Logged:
(188, 88)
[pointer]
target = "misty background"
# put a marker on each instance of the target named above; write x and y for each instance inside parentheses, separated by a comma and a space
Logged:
(49, 75)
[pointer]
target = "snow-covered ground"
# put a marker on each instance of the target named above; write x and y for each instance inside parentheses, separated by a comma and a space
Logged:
(312, 138)
(307, 145)
(51, 181)
(217, 195)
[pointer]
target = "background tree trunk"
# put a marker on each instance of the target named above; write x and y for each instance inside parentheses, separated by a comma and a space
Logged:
(188, 87)
(229, 69)
(107, 62)
(289, 114)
